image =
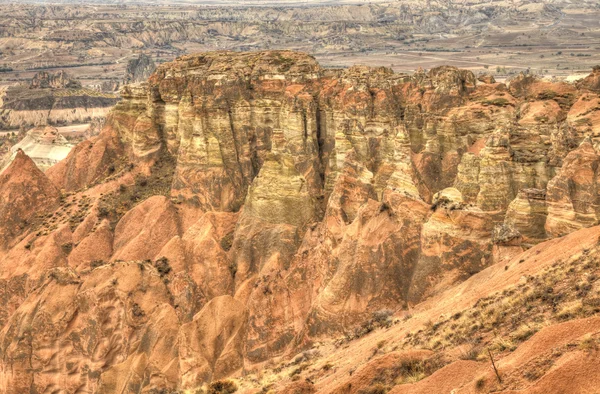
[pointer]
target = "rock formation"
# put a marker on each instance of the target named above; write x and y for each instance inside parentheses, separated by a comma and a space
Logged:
(572, 196)
(44, 145)
(239, 208)
(24, 193)
(51, 99)
(139, 69)
(60, 80)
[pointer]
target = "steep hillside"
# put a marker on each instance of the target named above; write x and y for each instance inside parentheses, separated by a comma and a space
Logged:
(254, 216)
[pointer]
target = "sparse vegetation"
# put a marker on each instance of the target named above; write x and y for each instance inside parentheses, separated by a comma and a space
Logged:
(379, 319)
(97, 263)
(222, 387)
(480, 383)
(162, 266)
(502, 321)
(408, 370)
(589, 344)
(137, 311)
(67, 247)
(114, 205)
(227, 241)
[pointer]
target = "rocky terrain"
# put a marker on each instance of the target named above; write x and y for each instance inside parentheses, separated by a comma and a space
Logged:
(257, 222)
(60, 80)
(549, 37)
(139, 70)
(43, 144)
(53, 99)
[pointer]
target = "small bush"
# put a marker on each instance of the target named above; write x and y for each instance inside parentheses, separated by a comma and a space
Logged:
(470, 353)
(382, 316)
(67, 247)
(103, 211)
(523, 333)
(502, 344)
(162, 266)
(222, 387)
(227, 241)
(137, 311)
(96, 263)
(480, 383)
(298, 371)
(588, 344)
(141, 180)
(233, 268)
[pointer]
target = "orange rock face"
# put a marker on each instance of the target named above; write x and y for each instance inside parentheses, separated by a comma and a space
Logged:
(24, 193)
(239, 208)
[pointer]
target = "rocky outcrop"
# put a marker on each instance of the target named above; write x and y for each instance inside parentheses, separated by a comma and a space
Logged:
(572, 196)
(87, 162)
(486, 78)
(52, 100)
(532, 87)
(143, 231)
(455, 229)
(25, 192)
(139, 69)
(211, 346)
(527, 214)
(496, 181)
(60, 80)
(256, 204)
(118, 314)
(44, 145)
(109, 86)
(583, 117)
(592, 81)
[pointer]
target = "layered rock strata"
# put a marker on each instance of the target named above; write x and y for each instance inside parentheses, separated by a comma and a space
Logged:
(44, 145)
(238, 207)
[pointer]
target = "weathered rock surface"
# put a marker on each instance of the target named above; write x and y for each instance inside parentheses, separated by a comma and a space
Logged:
(60, 80)
(240, 207)
(528, 213)
(44, 145)
(24, 193)
(139, 69)
(211, 346)
(51, 99)
(572, 196)
(87, 162)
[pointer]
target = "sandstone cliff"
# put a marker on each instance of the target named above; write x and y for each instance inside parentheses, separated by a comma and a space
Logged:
(240, 207)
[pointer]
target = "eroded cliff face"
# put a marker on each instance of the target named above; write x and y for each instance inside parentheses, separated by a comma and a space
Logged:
(51, 99)
(238, 207)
